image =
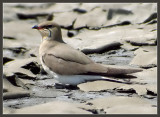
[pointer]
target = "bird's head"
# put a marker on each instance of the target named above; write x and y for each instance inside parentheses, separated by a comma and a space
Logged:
(49, 31)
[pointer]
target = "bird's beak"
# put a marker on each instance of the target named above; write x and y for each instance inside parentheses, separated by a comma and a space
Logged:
(36, 27)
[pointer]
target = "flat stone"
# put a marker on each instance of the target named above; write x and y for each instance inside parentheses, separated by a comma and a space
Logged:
(140, 89)
(98, 18)
(120, 102)
(23, 33)
(60, 18)
(117, 17)
(9, 87)
(54, 107)
(108, 102)
(133, 109)
(134, 8)
(7, 15)
(91, 39)
(12, 43)
(7, 110)
(95, 38)
(14, 91)
(62, 7)
(99, 85)
(145, 57)
(15, 66)
(90, 6)
(148, 76)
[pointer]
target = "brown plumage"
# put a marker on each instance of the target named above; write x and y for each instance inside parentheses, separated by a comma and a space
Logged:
(62, 59)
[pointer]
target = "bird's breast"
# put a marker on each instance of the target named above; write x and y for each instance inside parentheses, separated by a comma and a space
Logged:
(48, 70)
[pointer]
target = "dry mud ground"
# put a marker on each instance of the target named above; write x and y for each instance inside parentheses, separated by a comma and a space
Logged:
(121, 35)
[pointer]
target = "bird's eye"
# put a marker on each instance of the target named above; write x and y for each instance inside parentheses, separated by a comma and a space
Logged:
(46, 26)
(49, 26)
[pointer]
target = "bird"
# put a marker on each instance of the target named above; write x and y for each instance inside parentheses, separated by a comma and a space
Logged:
(66, 64)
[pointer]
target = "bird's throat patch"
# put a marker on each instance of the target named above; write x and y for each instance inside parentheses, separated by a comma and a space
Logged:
(49, 32)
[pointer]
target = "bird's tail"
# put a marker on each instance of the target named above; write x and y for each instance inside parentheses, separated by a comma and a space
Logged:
(99, 69)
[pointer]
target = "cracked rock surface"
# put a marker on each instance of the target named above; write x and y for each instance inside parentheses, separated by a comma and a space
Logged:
(115, 34)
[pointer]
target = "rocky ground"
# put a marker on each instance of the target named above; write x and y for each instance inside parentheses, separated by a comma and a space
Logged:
(112, 34)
